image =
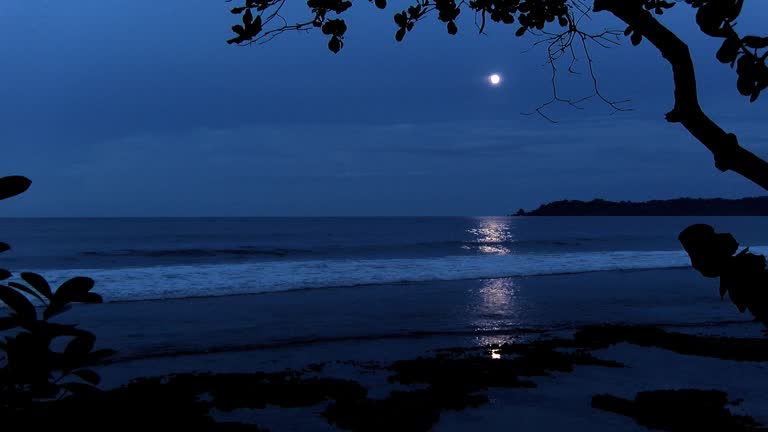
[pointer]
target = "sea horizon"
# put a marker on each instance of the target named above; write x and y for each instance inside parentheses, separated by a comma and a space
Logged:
(171, 257)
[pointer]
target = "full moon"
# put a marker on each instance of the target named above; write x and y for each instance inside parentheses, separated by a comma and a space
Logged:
(494, 79)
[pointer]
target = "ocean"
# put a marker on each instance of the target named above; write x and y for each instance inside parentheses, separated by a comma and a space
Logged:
(160, 258)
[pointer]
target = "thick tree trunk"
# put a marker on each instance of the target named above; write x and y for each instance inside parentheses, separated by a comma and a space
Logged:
(729, 155)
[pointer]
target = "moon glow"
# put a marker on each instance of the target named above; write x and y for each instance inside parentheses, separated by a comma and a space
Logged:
(494, 79)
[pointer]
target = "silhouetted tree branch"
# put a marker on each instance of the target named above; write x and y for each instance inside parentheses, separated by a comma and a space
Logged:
(729, 155)
(262, 22)
(560, 45)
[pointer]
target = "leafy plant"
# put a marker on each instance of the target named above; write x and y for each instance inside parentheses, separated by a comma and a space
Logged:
(31, 368)
(743, 276)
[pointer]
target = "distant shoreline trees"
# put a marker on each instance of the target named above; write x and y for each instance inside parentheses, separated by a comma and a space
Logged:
(756, 206)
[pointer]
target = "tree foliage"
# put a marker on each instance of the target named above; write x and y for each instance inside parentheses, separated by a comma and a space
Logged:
(262, 21)
(30, 368)
(743, 276)
(559, 24)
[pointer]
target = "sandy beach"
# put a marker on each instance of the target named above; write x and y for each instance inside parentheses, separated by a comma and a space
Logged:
(271, 215)
(343, 330)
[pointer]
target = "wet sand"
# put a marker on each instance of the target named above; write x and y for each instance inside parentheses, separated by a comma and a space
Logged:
(383, 324)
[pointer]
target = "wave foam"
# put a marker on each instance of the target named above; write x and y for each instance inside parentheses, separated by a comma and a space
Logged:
(259, 277)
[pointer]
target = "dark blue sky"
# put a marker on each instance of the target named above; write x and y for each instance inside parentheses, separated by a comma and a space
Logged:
(140, 108)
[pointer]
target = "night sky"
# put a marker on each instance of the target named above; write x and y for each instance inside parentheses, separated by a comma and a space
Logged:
(140, 108)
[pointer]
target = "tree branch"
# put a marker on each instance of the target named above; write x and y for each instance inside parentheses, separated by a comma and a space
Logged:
(728, 154)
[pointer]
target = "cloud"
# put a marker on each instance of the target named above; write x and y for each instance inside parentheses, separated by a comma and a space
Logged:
(468, 167)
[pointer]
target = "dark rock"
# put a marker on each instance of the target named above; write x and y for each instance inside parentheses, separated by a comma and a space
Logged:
(740, 349)
(678, 410)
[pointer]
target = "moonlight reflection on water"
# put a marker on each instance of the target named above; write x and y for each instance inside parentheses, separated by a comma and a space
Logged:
(497, 309)
(493, 236)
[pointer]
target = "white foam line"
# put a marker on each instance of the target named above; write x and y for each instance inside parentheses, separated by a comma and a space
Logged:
(256, 277)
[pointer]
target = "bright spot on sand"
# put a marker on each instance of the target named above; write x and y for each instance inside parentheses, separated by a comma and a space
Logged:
(495, 354)
(494, 79)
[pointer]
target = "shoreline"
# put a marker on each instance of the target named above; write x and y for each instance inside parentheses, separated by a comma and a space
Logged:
(591, 380)
(359, 335)
(474, 311)
(244, 278)
(377, 284)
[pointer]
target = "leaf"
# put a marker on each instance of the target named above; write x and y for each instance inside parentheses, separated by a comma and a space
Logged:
(256, 25)
(452, 29)
(341, 28)
(521, 31)
(38, 283)
(13, 185)
(342, 6)
(237, 10)
(18, 303)
(236, 40)
(755, 42)
(732, 9)
(729, 50)
(25, 289)
(91, 298)
(4, 247)
(400, 34)
(709, 20)
(240, 30)
(4, 274)
(401, 19)
(247, 18)
(88, 376)
(745, 86)
(725, 244)
(7, 323)
(52, 330)
(334, 44)
(335, 27)
(381, 4)
(328, 28)
(636, 38)
(55, 308)
(72, 288)
(80, 345)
